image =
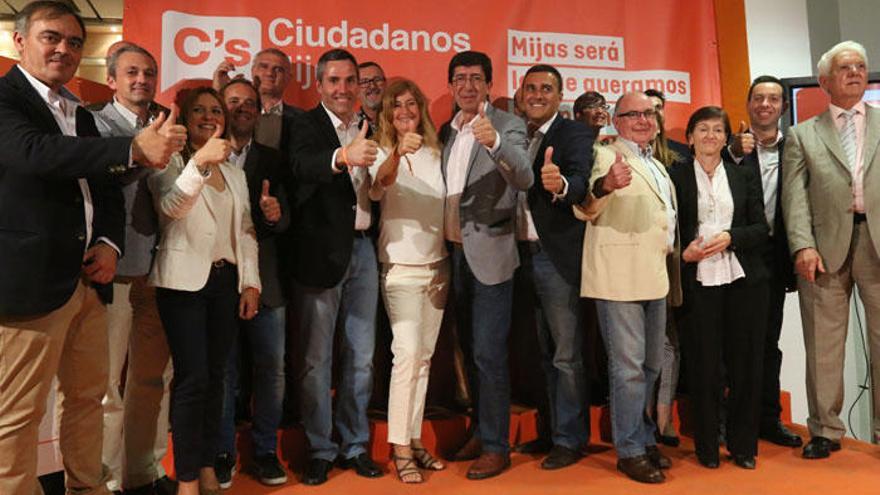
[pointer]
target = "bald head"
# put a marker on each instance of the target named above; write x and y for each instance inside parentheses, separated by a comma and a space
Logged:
(634, 118)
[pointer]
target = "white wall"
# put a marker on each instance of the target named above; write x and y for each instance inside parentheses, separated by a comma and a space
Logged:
(779, 41)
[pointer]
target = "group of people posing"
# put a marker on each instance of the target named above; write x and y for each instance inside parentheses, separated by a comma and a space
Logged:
(176, 232)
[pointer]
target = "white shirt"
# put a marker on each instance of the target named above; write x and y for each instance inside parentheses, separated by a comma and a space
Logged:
(411, 230)
(457, 169)
(63, 106)
(359, 176)
(768, 162)
(715, 215)
(662, 182)
(129, 116)
(240, 158)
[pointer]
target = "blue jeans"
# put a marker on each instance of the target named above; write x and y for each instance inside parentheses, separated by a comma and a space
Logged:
(483, 322)
(633, 333)
(560, 336)
(353, 300)
(266, 335)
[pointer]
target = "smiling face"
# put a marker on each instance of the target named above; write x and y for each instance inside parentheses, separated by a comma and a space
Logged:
(273, 73)
(241, 102)
(766, 105)
(338, 88)
(640, 128)
(407, 114)
(51, 49)
(203, 118)
(135, 80)
(542, 96)
(469, 88)
(847, 80)
(708, 137)
(371, 84)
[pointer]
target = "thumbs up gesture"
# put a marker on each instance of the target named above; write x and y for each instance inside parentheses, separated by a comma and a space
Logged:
(484, 131)
(215, 150)
(362, 151)
(619, 176)
(550, 176)
(269, 205)
(155, 144)
(411, 141)
(743, 141)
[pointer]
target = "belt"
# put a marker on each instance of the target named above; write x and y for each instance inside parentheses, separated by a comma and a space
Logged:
(859, 218)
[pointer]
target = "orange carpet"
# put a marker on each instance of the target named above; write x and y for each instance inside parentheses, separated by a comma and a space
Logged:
(855, 470)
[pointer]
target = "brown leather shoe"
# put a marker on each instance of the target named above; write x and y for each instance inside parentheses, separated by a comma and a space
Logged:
(640, 469)
(489, 464)
(469, 451)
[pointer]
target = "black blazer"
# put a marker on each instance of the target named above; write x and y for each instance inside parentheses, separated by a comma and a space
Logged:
(323, 204)
(776, 253)
(288, 114)
(561, 234)
(42, 224)
(265, 163)
(748, 230)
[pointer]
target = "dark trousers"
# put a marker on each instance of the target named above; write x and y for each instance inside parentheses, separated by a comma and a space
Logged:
(770, 406)
(200, 327)
(726, 325)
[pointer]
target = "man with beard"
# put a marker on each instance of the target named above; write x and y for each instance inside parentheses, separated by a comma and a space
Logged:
(371, 86)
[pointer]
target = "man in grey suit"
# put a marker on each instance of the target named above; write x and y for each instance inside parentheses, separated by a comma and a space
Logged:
(484, 164)
(138, 422)
(830, 194)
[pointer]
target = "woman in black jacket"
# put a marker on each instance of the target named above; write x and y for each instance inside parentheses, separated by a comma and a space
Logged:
(722, 223)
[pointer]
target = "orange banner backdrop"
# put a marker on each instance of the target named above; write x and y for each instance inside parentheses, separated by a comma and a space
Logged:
(610, 47)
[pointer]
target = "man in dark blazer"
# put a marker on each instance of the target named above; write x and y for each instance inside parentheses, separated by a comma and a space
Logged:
(760, 148)
(562, 157)
(334, 268)
(266, 332)
(484, 164)
(61, 232)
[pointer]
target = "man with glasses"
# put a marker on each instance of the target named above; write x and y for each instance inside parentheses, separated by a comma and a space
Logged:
(371, 86)
(484, 163)
(628, 264)
(591, 109)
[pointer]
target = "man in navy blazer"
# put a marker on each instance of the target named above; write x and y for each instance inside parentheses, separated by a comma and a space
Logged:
(61, 232)
(561, 152)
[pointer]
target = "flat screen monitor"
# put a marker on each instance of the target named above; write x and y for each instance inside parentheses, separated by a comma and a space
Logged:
(808, 100)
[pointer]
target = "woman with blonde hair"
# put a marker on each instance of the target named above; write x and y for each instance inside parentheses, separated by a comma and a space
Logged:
(408, 180)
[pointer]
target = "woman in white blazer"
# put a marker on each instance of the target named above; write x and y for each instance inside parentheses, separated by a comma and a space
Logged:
(206, 274)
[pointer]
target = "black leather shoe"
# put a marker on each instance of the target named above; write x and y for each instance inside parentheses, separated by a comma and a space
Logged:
(536, 446)
(640, 469)
(363, 465)
(744, 461)
(316, 472)
(708, 460)
(820, 448)
(780, 435)
(560, 457)
(657, 458)
(669, 440)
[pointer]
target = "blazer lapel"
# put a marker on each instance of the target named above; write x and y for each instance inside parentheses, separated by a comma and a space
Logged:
(447, 148)
(872, 136)
(40, 109)
(827, 132)
(638, 167)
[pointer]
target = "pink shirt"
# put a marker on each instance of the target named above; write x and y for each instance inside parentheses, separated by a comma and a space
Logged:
(858, 173)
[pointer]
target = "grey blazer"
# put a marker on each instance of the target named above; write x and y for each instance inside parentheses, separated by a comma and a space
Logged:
(141, 221)
(817, 187)
(488, 203)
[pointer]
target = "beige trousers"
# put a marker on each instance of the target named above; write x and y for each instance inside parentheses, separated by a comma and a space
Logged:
(825, 309)
(414, 296)
(70, 342)
(136, 422)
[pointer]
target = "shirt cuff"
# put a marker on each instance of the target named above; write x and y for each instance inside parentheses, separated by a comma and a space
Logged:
(333, 166)
(561, 195)
(131, 163)
(110, 243)
(497, 144)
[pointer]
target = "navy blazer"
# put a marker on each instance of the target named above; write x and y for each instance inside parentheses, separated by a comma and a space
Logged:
(42, 220)
(560, 232)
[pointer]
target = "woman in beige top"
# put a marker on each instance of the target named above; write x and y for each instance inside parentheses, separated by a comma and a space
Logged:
(206, 274)
(415, 272)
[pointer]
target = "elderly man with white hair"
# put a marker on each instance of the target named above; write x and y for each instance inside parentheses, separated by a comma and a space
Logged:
(830, 195)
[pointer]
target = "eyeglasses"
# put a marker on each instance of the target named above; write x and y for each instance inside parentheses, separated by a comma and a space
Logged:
(597, 106)
(635, 114)
(376, 81)
(462, 79)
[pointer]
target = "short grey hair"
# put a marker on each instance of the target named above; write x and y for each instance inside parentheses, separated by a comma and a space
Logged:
(276, 52)
(46, 9)
(824, 64)
(113, 59)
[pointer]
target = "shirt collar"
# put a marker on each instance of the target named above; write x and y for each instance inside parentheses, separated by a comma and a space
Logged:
(276, 109)
(336, 121)
(836, 110)
(457, 124)
(546, 126)
(45, 92)
(131, 117)
(774, 144)
(647, 153)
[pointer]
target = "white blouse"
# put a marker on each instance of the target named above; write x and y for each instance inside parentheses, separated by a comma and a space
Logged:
(714, 215)
(411, 228)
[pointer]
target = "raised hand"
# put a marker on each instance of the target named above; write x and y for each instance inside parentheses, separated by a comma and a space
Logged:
(618, 176)
(484, 131)
(361, 152)
(551, 178)
(743, 142)
(221, 75)
(269, 205)
(215, 151)
(155, 144)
